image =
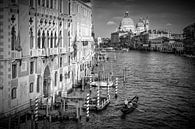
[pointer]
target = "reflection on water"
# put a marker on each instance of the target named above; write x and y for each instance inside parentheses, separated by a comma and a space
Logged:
(166, 88)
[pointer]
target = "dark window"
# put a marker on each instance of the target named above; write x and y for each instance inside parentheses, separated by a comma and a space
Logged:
(39, 2)
(51, 4)
(47, 3)
(31, 87)
(55, 40)
(31, 3)
(43, 3)
(61, 78)
(14, 71)
(13, 1)
(31, 67)
(51, 42)
(39, 39)
(31, 38)
(60, 39)
(13, 38)
(60, 61)
(14, 93)
(60, 5)
(38, 83)
(56, 74)
(47, 38)
(55, 2)
(43, 40)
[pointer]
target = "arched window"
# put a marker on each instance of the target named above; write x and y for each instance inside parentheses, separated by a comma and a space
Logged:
(43, 39)
(55, 40)
(14, 93)
(39, 39)
(43, 3)
(56, 74)
(51, 40)
(47, 3)
(51, 4)
(39, 2)
(48, 39)
(61, 78)
(13, 38)
(31, 38)
(31, 86)
(38, 83)
(60, 39)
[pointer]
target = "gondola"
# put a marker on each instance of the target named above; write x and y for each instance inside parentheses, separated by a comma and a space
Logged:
(132, 105)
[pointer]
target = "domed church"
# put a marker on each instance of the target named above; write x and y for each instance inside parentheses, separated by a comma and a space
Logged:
(127, 24)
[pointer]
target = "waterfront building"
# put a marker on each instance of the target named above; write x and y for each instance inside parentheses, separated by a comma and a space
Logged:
(82, 40)
(189, 39)
(38, 49)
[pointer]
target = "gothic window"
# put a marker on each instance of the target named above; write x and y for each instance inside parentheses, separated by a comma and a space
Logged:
(31, 38)
(51, 4)
(55, 40)
(38, 83)
(31, 67)
(48, 39)
(39, 2)
(60, 5)
(56, 74)
(31, 3)
(55, 3)
(43, 39)
(43, 3)
(61, 78)
(31, 86)
(51, 40)
(14, 93)
(14, 70)
(47, 3)
(13, 38)
(60, 61)
(60, 39)
(39, 39)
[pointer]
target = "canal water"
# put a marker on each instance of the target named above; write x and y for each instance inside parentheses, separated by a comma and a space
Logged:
(165, 84)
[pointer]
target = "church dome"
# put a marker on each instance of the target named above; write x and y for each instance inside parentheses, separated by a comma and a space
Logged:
(140, 24)
(127, 23)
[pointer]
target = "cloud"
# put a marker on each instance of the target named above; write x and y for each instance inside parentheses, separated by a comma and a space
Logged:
(168, 24)
(111, 23)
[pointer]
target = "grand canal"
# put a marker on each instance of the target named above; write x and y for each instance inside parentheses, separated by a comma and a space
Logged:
(166, 88)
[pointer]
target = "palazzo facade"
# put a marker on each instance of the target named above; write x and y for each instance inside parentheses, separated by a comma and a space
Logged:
(44, 45)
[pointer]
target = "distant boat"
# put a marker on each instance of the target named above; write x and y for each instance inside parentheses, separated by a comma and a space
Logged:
(109, 49)
(102, 84)
(125, 49)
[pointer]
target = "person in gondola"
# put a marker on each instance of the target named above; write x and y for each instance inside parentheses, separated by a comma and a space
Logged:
(126, 103)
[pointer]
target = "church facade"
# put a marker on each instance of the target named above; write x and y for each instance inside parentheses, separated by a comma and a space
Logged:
(127, 28)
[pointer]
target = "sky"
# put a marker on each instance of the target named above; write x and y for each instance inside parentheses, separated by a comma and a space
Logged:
(171, 15)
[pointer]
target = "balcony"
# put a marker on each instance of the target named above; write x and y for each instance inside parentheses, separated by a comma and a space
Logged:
(33, 53)
(16, 55)
(62, 50)
(41, 52)
(55, 51)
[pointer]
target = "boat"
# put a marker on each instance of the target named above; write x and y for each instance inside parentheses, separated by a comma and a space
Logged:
(132, 105)
(102, 84)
